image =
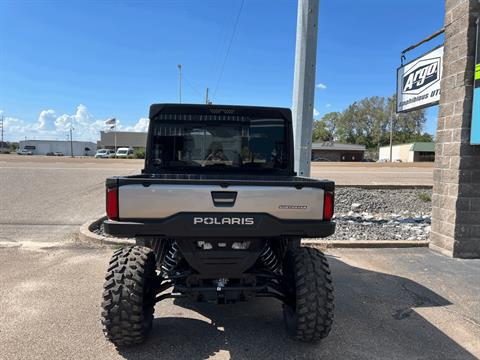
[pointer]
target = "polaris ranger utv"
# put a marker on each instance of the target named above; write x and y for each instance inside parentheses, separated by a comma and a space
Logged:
(218, 213)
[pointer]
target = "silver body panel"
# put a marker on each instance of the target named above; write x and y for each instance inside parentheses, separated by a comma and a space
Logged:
(163, 200)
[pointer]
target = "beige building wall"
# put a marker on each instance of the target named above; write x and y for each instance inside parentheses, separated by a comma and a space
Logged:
(399, 152)
(411, 156)
(404, 152)
(384, 153)
(124, 139)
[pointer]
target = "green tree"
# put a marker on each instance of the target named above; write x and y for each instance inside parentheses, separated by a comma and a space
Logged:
(331, 120)
(321, 132)
(408, 126)
(367, 122)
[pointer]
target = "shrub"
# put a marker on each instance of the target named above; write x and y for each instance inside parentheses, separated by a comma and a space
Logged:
(139, 154)
(424, 197)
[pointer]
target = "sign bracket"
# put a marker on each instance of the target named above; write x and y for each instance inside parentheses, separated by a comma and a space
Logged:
(411, 47)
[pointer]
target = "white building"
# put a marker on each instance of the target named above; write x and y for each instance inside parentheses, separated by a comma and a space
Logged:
(130, 139)
(43, 147)
(413, 152)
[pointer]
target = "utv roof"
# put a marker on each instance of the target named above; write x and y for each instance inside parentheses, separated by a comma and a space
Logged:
(203, 109)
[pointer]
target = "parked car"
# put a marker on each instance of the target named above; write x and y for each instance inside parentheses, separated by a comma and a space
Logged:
(104, 153)
(124, 152)
(57, 153)
(215, 225)
(24, 152)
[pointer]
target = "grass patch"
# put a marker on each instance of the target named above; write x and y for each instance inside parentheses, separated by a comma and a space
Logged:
(424, 197)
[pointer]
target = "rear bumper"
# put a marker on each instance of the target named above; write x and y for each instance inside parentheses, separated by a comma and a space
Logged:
(220, 225)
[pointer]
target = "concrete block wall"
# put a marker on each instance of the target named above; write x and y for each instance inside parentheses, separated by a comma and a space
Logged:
(456, 189)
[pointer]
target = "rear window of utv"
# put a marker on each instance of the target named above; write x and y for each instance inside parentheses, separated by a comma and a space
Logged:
(219, 142)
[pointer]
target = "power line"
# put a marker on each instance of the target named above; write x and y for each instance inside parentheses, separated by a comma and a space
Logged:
(222, 41)
(191, 86)
(228, 49)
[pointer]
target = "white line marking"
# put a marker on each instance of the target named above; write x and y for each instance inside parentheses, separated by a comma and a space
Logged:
(361, 172)
(68, 168)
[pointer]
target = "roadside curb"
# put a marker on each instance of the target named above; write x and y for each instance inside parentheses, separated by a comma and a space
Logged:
(86, 235)
(385, 186)
(366, 244)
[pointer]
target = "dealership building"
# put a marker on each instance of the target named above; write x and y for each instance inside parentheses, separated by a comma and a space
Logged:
(332, 151)
(130, 139)
(412, 152)
(43, 147)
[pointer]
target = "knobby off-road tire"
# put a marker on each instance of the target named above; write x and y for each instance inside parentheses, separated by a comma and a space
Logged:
(309, 316)
(129, 295)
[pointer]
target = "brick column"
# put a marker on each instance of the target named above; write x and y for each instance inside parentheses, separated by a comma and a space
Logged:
(456, 177)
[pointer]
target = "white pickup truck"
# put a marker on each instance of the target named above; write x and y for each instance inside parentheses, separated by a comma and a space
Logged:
(218, 213)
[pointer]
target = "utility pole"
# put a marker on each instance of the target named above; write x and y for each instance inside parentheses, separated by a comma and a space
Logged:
(1, 126)
(71, 141)
(180, 81)
(304, 83)
(391, 133)
(115, 137)
(110, 122)
(206, 97)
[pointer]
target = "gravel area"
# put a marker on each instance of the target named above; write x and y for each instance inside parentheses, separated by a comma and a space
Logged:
(382, 200)
(382, 214)
(378, 214)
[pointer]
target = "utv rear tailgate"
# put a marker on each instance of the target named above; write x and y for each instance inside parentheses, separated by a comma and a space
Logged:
(206, 206)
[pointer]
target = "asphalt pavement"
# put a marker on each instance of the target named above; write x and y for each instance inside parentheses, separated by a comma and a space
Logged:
(52, 196)
(390, 303)
(374, 174)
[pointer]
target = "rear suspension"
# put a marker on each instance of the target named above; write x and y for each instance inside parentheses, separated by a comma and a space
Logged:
(270, 260)
(171, 259)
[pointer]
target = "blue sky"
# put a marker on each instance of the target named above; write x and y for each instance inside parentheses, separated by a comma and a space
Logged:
(83, 62)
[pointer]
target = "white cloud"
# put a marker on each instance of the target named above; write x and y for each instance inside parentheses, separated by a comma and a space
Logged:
(46, 120)
(15, 126)
(81, 120)
(140, 126)
(321, 86)
(328, 105)
(316, 112)
(51, 126)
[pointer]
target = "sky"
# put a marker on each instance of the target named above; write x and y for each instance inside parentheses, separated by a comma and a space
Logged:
(79, 63)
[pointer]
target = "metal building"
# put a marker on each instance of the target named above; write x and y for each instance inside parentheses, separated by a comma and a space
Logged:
(44, 147)
(412, 152)
(130, 139)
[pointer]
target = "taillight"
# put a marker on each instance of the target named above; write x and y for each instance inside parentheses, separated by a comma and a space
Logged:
(328, 206)
(112, 204)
